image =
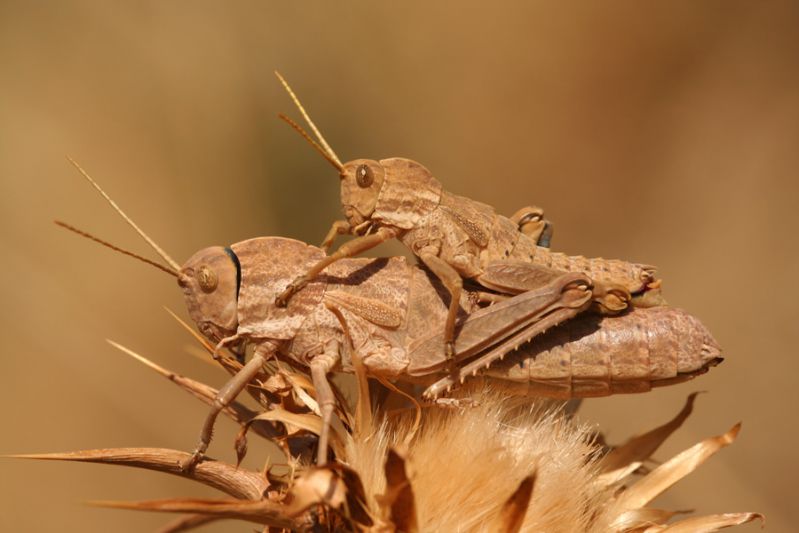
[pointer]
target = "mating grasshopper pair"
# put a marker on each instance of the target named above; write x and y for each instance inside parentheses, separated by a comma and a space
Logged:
(397, 321)
(455, 237)
(387, 317)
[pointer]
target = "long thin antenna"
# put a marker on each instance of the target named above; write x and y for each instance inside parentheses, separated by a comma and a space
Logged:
(116, 248)
(308, 138)
(296, 100)
(175, 266)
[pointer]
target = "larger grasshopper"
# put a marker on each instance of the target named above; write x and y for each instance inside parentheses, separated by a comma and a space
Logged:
(455, 237)
(387, 315)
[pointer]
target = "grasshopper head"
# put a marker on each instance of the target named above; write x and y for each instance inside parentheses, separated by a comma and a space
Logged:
(361, 181)
(209, 280)
(395, 191)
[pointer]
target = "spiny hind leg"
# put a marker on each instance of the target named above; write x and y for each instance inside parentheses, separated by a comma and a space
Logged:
(513, 277)
(574, 298)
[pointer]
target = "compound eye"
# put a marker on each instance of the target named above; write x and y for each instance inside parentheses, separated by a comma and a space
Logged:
(364, 176)
(207, 279)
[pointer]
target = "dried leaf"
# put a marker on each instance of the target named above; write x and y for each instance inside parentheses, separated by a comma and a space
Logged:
(399, 499)
(305, 391)
(614, 476)
(334, 486)
(640, 448)
(357, 509)
(635, 519)
(676, 468)
(512, 515)
(259, 511)
(298, 380)
(307, 422)
(314, 487)
(304, 397)
(709, 523)
(222, 476)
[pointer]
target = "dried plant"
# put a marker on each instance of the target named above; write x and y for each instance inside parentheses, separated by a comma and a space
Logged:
(493, 462)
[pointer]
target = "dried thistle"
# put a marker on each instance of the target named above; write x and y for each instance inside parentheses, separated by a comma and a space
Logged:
(497, 464)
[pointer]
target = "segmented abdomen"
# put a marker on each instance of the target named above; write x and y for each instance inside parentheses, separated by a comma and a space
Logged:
(633, 276)
(595, 356)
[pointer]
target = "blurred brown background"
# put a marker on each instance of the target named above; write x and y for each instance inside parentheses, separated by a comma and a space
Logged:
(659, 132)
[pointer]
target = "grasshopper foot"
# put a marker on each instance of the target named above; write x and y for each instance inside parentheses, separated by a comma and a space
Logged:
(188, 464)
(295, 286)
(456, 403)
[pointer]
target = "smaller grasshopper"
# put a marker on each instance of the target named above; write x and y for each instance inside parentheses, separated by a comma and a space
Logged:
(455, 237)
(386, 316)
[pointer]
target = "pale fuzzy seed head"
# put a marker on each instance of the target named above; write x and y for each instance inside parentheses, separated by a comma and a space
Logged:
(465, 463)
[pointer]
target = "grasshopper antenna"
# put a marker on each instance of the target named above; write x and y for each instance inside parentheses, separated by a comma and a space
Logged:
(308, 138)
(305, 115)
(171, 262)
(115, 248)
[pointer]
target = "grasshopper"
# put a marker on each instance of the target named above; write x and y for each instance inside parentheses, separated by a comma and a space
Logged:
(455, 237)
(386, 316)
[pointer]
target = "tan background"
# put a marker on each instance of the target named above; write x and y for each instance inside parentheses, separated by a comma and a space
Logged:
(660, 132)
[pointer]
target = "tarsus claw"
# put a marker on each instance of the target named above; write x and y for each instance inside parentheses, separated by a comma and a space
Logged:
(285, 296)
(190, 462)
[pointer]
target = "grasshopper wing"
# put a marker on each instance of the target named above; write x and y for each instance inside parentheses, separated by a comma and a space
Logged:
(550, 304)
(514, 277)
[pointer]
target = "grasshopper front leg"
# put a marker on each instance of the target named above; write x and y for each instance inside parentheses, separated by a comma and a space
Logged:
(227, 394)
(353, 247)
(339, 227)
(343, 227)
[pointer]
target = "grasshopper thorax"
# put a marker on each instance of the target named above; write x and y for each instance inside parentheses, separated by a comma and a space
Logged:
(210, 280)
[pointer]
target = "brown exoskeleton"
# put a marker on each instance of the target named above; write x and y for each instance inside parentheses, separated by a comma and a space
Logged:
(455, 237)
(389, 315)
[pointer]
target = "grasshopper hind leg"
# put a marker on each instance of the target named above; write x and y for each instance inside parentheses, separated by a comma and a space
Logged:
(320, 366)
(574, 298)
